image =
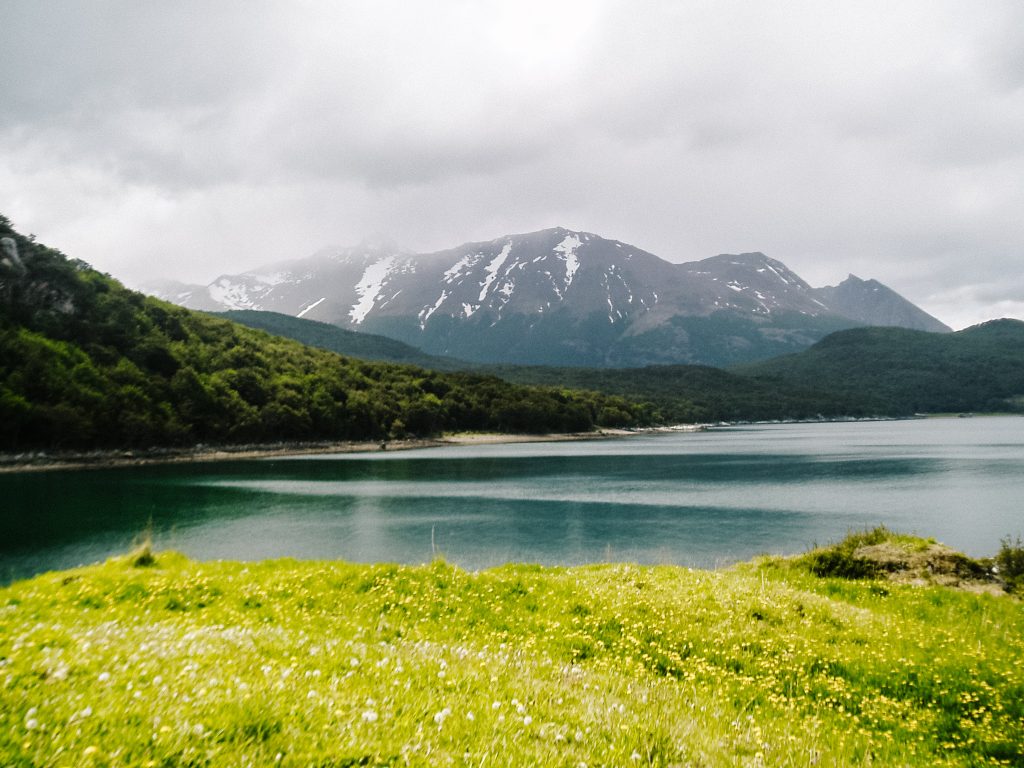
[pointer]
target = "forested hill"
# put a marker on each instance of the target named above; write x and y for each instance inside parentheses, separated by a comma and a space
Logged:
(977, 369)
(86, 363)
(861, 372)
(365, 346)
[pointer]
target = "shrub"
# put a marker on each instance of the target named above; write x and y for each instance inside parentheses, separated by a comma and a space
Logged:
(1009, 562)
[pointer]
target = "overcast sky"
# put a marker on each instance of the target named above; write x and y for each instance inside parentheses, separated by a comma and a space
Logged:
(188, 139)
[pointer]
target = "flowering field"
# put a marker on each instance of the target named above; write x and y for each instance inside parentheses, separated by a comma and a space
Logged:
(329, 664)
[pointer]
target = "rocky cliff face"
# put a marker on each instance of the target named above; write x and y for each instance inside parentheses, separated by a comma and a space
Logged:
(871, 303)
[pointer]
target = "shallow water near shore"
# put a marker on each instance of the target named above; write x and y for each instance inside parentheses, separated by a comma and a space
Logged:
(702, 500)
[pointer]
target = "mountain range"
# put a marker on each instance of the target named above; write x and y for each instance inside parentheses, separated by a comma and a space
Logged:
(561, 297)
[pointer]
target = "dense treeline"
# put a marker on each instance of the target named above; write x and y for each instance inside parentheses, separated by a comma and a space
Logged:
(859, 372)
(694, 394)
(977, 369)
(680, 393)
(85, 362)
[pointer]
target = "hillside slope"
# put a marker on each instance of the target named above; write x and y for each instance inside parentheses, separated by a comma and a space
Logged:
(976, 369)
(86, 363)
(365, 346)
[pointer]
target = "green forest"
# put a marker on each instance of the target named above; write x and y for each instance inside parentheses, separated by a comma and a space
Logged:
(977, 369)
(86, 363)
(860, 372)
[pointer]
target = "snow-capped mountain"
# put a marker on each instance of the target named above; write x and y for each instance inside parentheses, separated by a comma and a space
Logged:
(559, 297)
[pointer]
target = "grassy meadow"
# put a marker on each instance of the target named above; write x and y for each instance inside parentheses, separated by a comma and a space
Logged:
(172, 662)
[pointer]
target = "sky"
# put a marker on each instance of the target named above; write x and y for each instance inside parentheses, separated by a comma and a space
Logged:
(190, 139)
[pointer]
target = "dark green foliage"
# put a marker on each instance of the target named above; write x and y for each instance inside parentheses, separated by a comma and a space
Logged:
(855, 373)
(1009, 562)
(977, 369)
(840, 560)
(841, 564)
(86, 363)
(366, 346)
(693, 393)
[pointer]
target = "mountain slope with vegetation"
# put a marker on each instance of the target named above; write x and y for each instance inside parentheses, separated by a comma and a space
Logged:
(698, 394)
(855, 373)
(365, 346)
(977, 369)
(858, 372)
(86, 363)
(158, 660)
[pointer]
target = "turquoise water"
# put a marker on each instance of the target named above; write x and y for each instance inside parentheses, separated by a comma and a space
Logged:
(701, 500)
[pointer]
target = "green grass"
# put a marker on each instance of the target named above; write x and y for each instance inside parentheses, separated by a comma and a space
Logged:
(292, 663)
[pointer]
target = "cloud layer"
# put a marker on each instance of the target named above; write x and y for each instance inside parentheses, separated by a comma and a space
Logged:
(190, 139)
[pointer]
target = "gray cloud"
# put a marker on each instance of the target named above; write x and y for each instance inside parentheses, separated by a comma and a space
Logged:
(189, 139)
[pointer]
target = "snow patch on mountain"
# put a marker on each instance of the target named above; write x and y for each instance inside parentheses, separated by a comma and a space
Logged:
(455, 271)
(492, 270)
(426, 312)
(231, 295)
(314, 305)
(275, 278)
(368, 288)
(568, 250)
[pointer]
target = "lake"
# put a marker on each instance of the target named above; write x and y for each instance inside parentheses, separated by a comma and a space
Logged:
(702, 499)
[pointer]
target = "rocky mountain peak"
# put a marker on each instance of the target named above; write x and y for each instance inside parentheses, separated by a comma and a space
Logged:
(560, 295)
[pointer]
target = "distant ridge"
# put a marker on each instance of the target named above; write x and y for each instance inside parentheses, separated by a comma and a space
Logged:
(562, 297)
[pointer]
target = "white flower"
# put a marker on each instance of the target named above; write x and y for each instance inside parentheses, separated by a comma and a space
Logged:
(527, 720)
(369, 716)
(470, 716)
(635, 755)
(31, 724)
(104, 677)
(439, 718)
(496, 705)
(198, 729)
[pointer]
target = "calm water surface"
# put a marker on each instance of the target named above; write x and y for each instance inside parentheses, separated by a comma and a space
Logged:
(701, 499)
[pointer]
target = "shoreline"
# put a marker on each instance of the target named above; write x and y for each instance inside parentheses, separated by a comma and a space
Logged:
(43, 461)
